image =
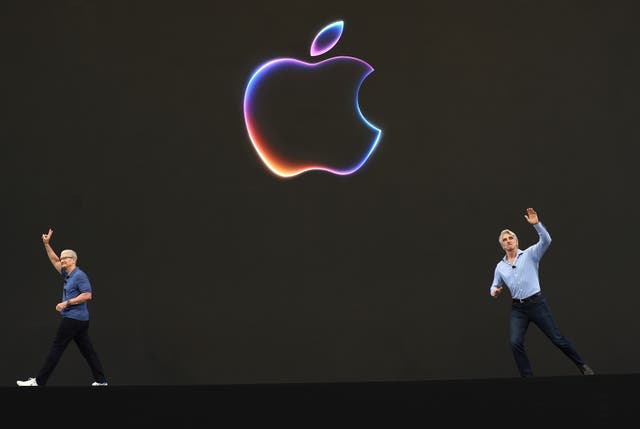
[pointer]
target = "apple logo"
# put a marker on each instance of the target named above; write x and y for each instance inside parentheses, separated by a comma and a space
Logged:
(267, 127)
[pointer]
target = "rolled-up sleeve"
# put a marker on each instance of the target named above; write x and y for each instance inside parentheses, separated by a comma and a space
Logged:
(497, 281)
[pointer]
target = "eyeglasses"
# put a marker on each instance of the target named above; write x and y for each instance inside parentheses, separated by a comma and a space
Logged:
(66, 257)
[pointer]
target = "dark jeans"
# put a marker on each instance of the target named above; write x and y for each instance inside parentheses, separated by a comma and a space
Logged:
(536, 310)
(78, 331)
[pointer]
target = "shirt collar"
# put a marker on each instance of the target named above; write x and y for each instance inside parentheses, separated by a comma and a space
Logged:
(67, 275)
(518, 253)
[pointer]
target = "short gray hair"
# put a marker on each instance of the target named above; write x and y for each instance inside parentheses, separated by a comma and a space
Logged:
(506, 231)
(71, 253)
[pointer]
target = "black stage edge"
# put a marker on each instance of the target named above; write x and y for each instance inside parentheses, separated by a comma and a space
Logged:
(577, 401)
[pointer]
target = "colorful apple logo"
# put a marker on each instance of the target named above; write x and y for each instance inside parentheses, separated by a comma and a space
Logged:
(277, 160)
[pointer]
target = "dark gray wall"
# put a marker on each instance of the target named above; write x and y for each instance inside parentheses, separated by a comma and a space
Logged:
(122, 129)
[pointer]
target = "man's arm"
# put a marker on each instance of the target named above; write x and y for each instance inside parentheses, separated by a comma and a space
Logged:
(496, 285)
(55, 260)
(544, 241)
(83, 297)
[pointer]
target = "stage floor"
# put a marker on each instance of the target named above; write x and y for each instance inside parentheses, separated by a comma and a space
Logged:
(592, 401)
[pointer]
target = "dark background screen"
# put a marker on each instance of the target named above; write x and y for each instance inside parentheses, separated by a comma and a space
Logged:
(122, 129)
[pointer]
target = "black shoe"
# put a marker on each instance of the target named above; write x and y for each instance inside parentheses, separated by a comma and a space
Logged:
(586, 370)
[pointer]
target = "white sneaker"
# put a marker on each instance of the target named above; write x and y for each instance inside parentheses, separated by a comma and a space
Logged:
(29, 382)
(95, 383)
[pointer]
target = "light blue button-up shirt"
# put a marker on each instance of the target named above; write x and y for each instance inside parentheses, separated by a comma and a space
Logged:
(521, 277)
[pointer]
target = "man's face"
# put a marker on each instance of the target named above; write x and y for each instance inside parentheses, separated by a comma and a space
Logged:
(66, 260)
(509, 242)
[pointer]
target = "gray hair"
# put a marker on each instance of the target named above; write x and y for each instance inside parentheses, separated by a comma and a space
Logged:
(506, 231)
(71, 253)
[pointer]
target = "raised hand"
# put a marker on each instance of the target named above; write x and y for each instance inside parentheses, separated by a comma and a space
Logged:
(46, 237)
(531, 216)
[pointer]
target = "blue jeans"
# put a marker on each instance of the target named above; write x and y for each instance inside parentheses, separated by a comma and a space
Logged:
(536, 310)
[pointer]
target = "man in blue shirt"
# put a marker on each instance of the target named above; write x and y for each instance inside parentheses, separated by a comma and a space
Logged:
(519, 271)
(74, 324)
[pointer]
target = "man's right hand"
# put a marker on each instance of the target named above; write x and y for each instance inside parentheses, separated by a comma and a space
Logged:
(46, 237)
(531, 216)
(497, 291)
